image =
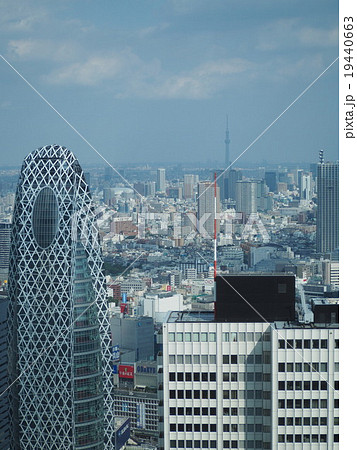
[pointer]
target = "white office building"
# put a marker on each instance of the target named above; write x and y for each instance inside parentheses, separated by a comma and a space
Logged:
(248, 385)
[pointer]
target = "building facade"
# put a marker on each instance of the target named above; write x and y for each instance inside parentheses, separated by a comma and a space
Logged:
(5, 234)
(327, 230)
(247, 385)
(59, 344)
(206, 209)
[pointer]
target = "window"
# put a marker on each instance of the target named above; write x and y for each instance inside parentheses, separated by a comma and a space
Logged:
(195, 337)
(298, 421)
(315, 366)
(307, 385)
(297, 437)
(290, 367)
(307, 344)
(323, 403)
(289, 421)
(179, 376)
(180, 393)
(225, 394)
(196, 359)
(172, 376)
(306, 421)
(188, 394)
(250, 337)
(179, 359)
(172, 427)
(171, 337)
(204, 359)
(298, 385)
(172, 393)
(298, 367)
(323, 343)
(281, 438)
(290, 403)
(298, 403)
(307, 367)
(204, 393)
(234, 376)
(188, 444)
(179, 337)
(315, 343)
(212, 376)
(306, 402)
(180, 427)
(212, 359)
(281, 343)
(337, 343)
(212, 337)
(225, 376)
(188, 412)
(204, 413)
(234, 336)
(212, 411)
(226, 428)
(180, 411)
(172, 411)
(290, 343)
(323, 437)
(290, 385)
(298, 343)
(225, 359)
(197, 427)
(234, 359)
(323, 420)
(172, 359)
(196, 394)
(204, 337)
(281, 385)
(281, 367)
(225, 337)
(204, 376)
(213, 427)
(281, 420)
(306, 438)
(188, 376)
(188, 359)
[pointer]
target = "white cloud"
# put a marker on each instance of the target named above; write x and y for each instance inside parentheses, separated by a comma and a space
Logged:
(41, 49)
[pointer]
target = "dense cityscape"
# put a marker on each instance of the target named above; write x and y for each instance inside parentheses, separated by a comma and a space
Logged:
(174, 323)
(170, 230)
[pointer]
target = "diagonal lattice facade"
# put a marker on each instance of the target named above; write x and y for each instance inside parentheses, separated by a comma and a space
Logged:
(59, 340)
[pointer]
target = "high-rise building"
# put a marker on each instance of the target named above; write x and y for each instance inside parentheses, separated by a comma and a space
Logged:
(161, 180)
(327, 230)
(245, 385)
(5, 233)
(246, 197)
(205, 208)
(188, 185)
(59, 345)
(271, 180)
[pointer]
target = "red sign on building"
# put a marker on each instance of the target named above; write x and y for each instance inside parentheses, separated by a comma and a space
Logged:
(126, 371)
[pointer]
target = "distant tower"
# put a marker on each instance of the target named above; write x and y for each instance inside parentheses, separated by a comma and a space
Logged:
(227, 142)
(327, 229)
(205, 208)
(161, 180)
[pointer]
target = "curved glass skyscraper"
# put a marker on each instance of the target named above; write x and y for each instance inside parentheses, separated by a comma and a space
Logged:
(59, 341)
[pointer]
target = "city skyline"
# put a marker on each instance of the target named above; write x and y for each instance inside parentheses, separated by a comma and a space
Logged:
(161, 81)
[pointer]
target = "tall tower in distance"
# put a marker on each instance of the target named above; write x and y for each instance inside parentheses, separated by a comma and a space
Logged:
(227, 142)
(161, 180)
(59, 333)
(327, 230)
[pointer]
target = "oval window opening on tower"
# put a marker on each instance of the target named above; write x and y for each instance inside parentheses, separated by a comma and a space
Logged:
(45, 217)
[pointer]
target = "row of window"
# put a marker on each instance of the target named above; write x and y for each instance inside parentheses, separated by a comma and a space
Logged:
(213, 444)
(306, 403)
(192, 337)
(227, 427)
(305, 438)
(188, 376)
(180, 411)
(305, 421)
(211, 336)
(192, 359)
(300, 367)
(196, 394)
(304, 385)
(304, 343)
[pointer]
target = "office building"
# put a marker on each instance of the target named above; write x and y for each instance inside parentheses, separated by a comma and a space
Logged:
(205, 208)
(188, 186)
(248, 385)
(246, 197)
(271, 180)
(5, 232)
(327, 230)
(59, 344)
(161, 180)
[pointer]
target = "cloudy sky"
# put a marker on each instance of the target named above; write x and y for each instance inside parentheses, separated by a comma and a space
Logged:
(152, 81)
